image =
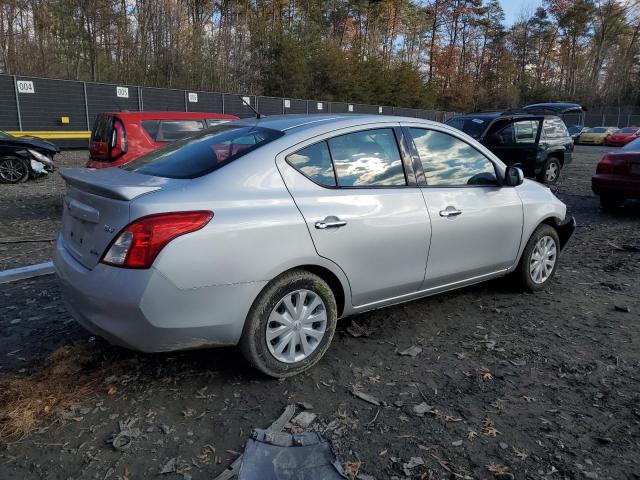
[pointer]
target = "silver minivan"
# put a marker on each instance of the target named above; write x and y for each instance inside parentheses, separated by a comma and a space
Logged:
(264, 232)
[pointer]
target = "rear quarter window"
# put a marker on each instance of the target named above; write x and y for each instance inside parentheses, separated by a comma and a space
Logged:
(554, 128)
(204, 152)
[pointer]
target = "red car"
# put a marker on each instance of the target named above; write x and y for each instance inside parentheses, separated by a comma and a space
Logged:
(617, 176)
(622, 136)
(121, 137)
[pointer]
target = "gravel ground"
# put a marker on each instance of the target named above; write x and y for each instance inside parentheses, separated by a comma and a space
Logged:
(32, 211)
(542, 386)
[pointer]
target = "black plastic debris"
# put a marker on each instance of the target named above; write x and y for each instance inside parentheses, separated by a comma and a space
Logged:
(283, 456)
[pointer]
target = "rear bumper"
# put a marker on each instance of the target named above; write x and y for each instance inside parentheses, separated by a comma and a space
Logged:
(143, 310)
(615, 185)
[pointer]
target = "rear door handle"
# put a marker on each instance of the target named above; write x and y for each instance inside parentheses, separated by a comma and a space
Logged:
(450, 212)
(330, 222)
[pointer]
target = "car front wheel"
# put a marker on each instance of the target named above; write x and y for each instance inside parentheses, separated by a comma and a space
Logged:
(13, 170)
(539, 259)
(550, 172)
(290, 325)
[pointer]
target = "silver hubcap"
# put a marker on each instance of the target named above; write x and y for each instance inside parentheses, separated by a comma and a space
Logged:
(296, 326)
(12, 170)
(552, 172)
(543, 259)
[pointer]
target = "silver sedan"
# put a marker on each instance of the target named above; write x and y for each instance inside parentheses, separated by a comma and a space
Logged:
(264, 233)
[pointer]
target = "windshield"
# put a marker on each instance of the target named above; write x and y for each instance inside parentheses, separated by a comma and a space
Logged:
(5, 135)
(203, 153)
(472, 126)
(628, 130)
(632, 146)
(597, 130)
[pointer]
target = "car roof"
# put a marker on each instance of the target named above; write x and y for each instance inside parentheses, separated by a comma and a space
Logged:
(556, 107)
(341, 120)
(136, 116)
(505, 115)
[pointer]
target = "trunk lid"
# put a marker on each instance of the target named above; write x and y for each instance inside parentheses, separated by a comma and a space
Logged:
(96, 207)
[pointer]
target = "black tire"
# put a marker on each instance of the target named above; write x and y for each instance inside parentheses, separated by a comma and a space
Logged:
(523, 273)
(550, 172)
(610, 202)
(253, 342)
(14, 170)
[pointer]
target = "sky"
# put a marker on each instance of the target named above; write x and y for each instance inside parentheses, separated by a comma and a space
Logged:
(514, 8)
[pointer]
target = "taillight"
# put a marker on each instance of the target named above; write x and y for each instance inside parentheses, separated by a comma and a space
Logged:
(118, 142)
(140, 242)
(605, 165)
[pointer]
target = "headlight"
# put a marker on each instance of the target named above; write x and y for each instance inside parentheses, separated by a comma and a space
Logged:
(40, 157)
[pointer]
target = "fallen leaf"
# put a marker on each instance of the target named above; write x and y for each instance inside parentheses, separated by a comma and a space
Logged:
(112, 391)
(499, 471)
(412, 351)
(489, 429)
(366, 397)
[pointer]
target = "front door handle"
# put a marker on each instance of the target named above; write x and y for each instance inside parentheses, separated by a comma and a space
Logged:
(330, 222)
(450, 212)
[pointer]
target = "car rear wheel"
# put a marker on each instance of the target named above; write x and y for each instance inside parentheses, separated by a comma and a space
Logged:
(13, 170)
(290, 325)
(550, 172)
(539, 259)
(610, 202)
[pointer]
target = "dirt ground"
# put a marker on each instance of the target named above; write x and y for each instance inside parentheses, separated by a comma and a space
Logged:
(543, 386)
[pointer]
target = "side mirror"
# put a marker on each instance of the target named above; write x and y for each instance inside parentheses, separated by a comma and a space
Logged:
(513, 176)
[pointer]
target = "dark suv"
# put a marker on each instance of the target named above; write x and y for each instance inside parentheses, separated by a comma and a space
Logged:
(541, 144)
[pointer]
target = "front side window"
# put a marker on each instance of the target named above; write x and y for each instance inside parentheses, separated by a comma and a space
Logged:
(448, 161)
(172, 130)
(314, 162)
(554, 128)
(473, 127)
(368, 158)
(204, 152)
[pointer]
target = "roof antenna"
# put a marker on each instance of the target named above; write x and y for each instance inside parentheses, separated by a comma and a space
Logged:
(248, 104)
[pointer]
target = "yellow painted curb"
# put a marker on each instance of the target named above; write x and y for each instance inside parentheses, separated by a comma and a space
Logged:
(54, 135)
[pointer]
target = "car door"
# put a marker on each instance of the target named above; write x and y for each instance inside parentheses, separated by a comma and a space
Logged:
(515, 142)
(476, 223)
(363, 209)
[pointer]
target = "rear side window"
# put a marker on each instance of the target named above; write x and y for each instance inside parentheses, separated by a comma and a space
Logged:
(213, 121)
(204, 152)
(314, 162)
(367, 158)
(554, 128)
(151, 127)
(101, 129)
(523, 131)
(172, 130)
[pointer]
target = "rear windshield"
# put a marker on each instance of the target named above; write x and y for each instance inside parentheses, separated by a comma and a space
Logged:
(203, 153)
(628, 130)
(632, 146)
(473, 127)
